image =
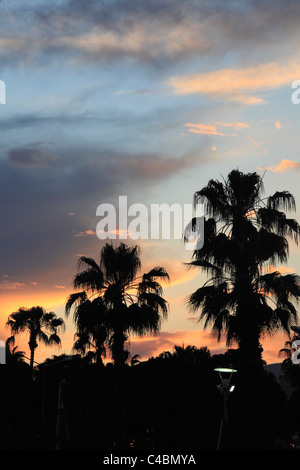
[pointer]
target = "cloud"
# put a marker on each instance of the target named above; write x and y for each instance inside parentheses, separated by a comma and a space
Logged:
(212, 129)
(158, 32)
(234, 125)
(151, 345)
(204, 129)
(177, 270)
(142, 91)
(253, 141)
(238, 84)
(85, 233)
(283, 166)
(140, 39)
(30, 157)
(40, 201)
(10, 285)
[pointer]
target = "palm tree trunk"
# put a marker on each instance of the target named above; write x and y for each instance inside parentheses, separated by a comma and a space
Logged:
(248, 327)
(119, 361)
(32, 346)
(251, 352)
(118, 348)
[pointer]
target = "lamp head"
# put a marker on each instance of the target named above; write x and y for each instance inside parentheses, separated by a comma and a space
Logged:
(225, 374)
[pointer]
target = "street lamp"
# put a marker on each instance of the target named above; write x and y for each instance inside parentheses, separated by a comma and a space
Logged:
(225, 387)
(45, 366)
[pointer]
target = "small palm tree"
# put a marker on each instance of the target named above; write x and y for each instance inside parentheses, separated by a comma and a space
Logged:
(13, 356)
(125, 303)
(40, 325)
(135, 360)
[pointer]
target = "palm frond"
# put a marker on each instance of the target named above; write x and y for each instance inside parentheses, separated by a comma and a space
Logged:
(85, 262)
(155, 302)
(89, 279)
(74, 299)
(282, 200)
(156, 272)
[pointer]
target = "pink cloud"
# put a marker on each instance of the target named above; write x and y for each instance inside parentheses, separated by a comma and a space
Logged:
(84, 233)
(198, 128)
(283, 166)
(238, 84)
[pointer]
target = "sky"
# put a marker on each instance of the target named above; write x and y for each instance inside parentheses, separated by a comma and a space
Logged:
(149, 99)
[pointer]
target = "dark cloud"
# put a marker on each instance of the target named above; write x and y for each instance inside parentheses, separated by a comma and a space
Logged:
(36, 229)
(30, 157)
(31, 120)
(154, 31)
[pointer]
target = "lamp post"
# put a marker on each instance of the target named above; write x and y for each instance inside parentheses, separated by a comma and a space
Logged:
(68, 358)
(225, 387)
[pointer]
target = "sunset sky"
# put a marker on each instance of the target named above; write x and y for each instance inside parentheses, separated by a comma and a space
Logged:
(148, 99)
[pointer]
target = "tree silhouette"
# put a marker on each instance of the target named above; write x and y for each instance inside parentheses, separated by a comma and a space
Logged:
(243, 234)
(135, 360)
(40, 325)
(90, 317)
(124, 302)
(12, 355)
(91, 342)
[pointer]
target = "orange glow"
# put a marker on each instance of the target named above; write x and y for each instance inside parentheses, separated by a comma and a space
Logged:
(151, 346)
(148, 346)
(50, 301)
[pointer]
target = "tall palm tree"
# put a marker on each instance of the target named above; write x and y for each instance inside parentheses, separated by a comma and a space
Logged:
(116, 298)
(40, 325)
(243, 235)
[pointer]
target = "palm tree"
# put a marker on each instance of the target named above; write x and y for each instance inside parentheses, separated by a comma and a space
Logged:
(13, 356)
(135, 360)
(91, 342)
(40, 325)
(243, 235)
(116, 298)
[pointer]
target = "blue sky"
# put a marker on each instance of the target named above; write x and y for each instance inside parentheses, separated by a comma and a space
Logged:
(150, 99)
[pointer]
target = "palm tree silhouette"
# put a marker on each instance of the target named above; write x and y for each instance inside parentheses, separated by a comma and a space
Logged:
(243, 234)
(91, 341)
(40, 325)
(13, 356)
(135, 360)
(124, 302)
